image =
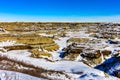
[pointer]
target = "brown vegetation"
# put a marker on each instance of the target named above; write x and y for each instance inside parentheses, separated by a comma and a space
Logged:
(79, 40)
(17, 47)
(38, 54)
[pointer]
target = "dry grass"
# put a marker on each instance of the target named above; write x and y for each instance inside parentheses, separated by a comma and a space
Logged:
(91, 31)
(51, 32)
(33, 40)
(38, 54)
(28, 39)
(51, 47)
(18, 47)
(79, 40)
(71, 56)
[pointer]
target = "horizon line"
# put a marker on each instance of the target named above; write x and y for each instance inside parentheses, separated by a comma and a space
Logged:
(23, 18)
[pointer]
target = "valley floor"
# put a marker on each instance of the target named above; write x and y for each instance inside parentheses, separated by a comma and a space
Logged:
(85, 53)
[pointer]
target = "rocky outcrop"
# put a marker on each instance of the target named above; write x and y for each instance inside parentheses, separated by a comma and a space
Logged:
(106, 52)
(89, 55)
(2, 29)
(72, 51)
(72, 54)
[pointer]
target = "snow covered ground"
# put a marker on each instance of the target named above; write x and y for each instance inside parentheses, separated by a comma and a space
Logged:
(11, 75)
(76, 70)
(79, 34)
(43, 34)
(7, 43)
(62, 44)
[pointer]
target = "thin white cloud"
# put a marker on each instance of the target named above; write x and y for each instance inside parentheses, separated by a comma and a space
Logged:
(22, 18)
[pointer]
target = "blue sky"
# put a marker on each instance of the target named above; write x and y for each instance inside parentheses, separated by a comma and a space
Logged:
(60, 10)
